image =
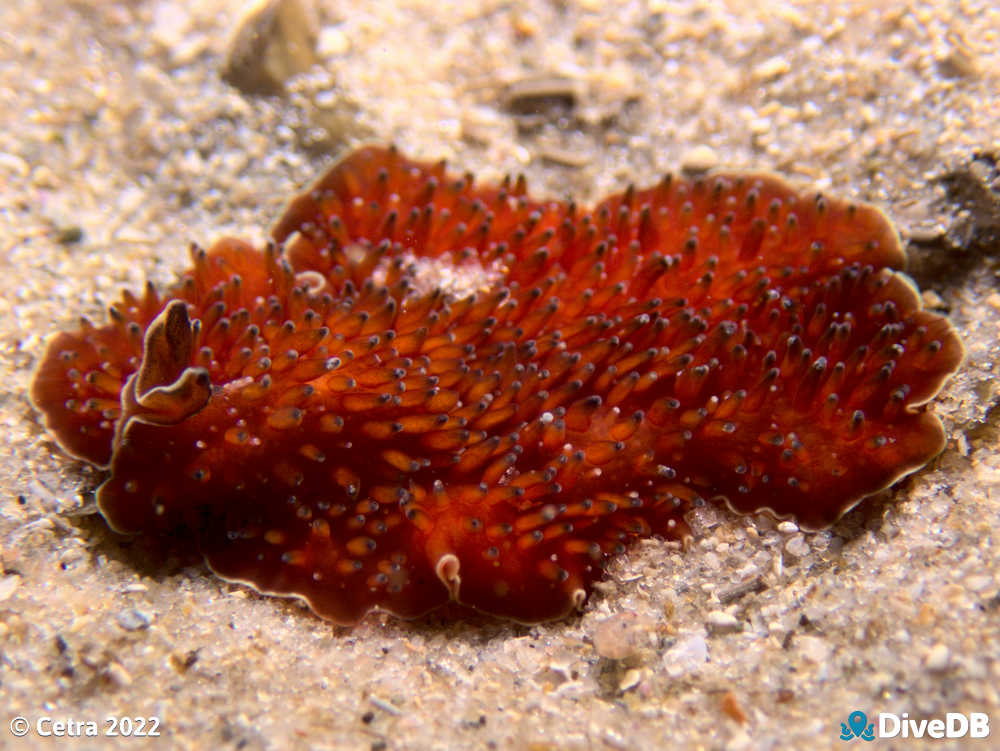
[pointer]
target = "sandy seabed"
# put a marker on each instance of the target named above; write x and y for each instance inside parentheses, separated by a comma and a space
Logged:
(120, 144)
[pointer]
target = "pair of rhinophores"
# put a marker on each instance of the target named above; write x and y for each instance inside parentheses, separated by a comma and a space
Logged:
(424, 390)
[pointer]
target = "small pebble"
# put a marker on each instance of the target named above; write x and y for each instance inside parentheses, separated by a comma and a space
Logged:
(183, 660)
(701, 158)
(720, 621)
(788, 528)
(772, 68)
(534, 96)
(69, 235)
(630, 679)
(133, 620)
(938, 658)
(118, 675)
(959, 62)
(932, 299)
(332, 41)
(273, 41)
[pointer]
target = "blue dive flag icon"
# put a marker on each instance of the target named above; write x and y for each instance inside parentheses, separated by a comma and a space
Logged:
(857, 727)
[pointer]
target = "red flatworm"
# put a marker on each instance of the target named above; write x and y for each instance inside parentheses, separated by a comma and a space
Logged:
(425, 391)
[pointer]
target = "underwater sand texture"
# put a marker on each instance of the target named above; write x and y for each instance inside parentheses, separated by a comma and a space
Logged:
(119, 144)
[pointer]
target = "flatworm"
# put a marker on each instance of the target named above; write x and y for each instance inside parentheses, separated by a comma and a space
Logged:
(422, 390)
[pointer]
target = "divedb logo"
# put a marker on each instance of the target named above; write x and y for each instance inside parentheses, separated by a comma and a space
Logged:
(889, 725)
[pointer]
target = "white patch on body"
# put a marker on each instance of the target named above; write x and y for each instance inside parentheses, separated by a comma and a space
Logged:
(444, 274)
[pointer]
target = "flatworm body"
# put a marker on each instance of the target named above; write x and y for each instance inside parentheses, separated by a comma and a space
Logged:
(423, 390)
